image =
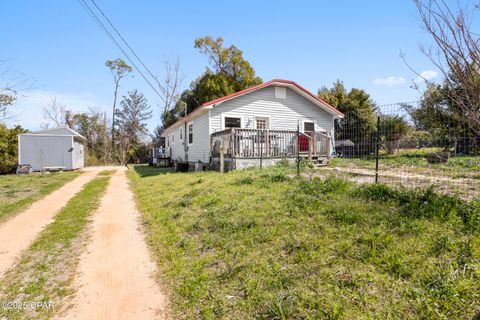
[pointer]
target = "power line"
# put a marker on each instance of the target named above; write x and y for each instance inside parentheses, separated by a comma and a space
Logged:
(107, 32)
(128, 46)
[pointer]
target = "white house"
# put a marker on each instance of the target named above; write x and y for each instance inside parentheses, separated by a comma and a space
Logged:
(59, 148)
(254, 126)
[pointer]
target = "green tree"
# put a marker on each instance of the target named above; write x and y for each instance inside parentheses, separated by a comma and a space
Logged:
(358, 107)
(93, 126)
(228, 72)
(393, 128)
(130, 123)
(119, 69)
(9, 148)
(439, 115)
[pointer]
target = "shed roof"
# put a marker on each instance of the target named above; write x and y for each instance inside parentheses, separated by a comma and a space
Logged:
(60, 131)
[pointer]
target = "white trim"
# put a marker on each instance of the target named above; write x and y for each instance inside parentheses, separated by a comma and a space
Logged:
(190, 117)
(19, 153)
(43, 132)
(269, 122)
(226, 115)
(193, 133)
(310, 121)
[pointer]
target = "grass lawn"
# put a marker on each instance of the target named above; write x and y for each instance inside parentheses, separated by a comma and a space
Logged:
(257, 244)
(413, 160)
(46, 270)
(18, 191)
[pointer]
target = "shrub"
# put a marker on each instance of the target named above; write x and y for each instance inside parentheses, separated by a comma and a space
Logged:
(9, 148)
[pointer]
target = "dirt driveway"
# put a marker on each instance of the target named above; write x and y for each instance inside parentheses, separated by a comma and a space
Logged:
(115, 271)
(17, 233)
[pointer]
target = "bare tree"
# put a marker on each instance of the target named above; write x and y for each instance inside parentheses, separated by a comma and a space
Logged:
(170, 87)
(56, 114)
(120, 69)
(456, 54)
(12, 83)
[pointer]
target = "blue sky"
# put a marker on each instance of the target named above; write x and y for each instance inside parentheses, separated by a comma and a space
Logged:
(310, 42)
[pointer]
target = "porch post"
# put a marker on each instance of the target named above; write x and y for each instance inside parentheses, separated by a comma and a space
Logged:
(298, 149)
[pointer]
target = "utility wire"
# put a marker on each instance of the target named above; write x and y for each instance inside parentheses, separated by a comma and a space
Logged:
(107, 32)
(128, 46)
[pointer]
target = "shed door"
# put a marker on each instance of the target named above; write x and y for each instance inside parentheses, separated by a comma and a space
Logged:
(77, 155)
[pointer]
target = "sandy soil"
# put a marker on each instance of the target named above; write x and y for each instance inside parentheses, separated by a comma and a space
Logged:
(115, 278)
(17, 233)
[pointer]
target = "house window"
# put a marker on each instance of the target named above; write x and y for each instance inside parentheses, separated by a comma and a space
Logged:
(190, 133)
(181, 134)
(168, 141)
(308, 127)
(232, 122)
(173, 138)
(261, 123)
(280, 93)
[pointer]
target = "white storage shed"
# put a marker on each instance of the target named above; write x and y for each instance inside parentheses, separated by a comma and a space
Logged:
(59, 148)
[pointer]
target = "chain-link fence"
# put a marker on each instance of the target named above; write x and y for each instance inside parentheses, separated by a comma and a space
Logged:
(408, 144)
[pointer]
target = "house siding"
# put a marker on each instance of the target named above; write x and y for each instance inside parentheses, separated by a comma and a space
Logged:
(284, 114)
(199, 150)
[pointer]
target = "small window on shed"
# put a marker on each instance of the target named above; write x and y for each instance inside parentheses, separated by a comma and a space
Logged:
(232, 122)
(280, 93)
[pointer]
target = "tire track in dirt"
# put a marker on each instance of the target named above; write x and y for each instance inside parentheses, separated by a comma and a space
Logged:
(115, 273)
(17, 233)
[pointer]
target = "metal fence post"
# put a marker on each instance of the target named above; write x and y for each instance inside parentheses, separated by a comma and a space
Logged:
(377, 147)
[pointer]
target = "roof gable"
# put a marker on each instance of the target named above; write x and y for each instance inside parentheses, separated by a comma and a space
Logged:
(277, 82)
(63, 131)
(283, 83)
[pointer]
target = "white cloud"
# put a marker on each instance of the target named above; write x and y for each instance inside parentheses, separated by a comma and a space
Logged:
(27, 112)
(389, 81)
(426, 75)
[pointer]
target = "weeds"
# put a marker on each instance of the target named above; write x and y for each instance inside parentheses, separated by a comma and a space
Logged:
(425, 203)
(257, 245)
(46, 270)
